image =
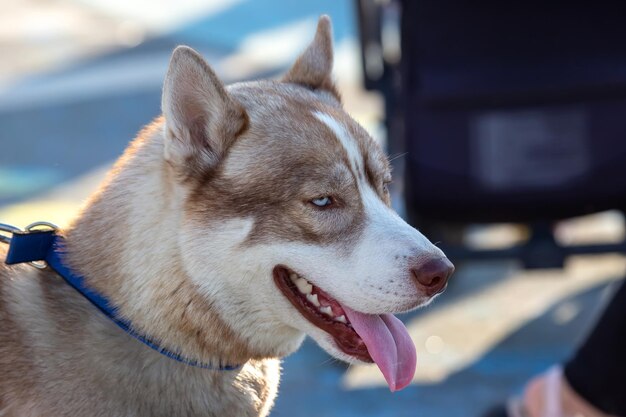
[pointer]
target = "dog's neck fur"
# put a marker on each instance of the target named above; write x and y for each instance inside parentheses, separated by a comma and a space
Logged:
(152, 292)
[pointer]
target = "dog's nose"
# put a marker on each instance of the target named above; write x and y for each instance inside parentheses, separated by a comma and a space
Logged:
(432, 275)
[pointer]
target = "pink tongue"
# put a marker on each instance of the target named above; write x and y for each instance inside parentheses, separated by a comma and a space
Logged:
(389, 344)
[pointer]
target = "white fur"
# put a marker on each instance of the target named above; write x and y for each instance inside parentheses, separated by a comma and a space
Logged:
(348, 143)
(226, 271)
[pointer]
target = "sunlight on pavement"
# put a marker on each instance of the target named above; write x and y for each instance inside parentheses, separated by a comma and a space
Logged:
(454, 336)
(254, 56)
(58, 205)
(37, 36)
(163, 17)
(55, 212)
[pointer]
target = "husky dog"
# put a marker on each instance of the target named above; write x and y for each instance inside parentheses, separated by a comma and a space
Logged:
(241, 220)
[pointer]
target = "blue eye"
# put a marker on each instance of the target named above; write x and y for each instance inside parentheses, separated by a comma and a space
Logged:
(322, 201)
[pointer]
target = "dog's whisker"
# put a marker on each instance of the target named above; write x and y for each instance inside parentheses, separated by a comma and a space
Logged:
(397, 156)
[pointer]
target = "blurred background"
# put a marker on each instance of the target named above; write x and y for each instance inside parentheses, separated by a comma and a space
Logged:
(506, 127)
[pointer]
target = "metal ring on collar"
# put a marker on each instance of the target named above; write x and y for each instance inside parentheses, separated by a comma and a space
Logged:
(37, 225)
(41, 224)
(7, 229)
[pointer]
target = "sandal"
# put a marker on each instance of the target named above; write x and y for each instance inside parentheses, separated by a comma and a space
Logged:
(548, 395)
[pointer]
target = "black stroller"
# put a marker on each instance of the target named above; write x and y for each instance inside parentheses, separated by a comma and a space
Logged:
(507, 112)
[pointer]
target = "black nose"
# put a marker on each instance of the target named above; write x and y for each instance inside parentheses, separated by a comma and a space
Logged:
(432, 276)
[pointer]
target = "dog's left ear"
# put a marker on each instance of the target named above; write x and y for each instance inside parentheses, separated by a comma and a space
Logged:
(202, 120)
(313, 69)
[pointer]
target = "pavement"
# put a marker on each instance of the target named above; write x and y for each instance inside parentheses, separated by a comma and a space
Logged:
(78, 79)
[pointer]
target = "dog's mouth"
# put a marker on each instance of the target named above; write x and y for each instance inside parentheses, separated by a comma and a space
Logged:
(321, 310)
(382, 339)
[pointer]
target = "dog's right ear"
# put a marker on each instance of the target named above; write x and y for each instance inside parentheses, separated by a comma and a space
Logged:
(201, 118)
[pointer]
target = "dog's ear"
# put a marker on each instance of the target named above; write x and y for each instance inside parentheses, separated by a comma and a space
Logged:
(201, 118)
(313, 69)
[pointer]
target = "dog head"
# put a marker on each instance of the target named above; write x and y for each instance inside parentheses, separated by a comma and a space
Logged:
(287, 226)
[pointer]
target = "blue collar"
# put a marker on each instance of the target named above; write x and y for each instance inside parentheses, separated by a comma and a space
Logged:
(47, 246)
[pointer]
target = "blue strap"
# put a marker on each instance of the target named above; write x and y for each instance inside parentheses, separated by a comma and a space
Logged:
(48, 246)
(29, 246)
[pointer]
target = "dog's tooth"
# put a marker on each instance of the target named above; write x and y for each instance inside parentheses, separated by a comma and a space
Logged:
(342, 319)
(294, 277)
(313, 299)
(303, 286)
(327, 310)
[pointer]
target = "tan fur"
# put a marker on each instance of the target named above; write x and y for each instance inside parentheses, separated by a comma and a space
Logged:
(314, 67)
(182, 237)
